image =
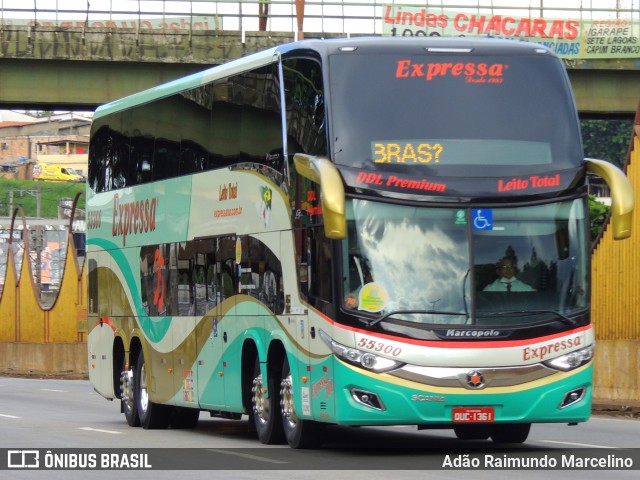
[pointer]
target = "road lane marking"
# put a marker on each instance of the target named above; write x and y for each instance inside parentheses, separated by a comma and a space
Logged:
(8, 416)
(245, 455)
(587, 445)
(89, 429)
(53, 390)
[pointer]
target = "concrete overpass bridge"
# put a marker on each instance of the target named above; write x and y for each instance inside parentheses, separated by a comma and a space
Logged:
(77, 59)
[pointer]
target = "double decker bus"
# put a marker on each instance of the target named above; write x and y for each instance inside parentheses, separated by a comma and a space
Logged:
(359, 232)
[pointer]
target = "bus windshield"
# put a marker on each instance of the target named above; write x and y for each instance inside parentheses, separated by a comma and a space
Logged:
(452, 115)
(449, 266)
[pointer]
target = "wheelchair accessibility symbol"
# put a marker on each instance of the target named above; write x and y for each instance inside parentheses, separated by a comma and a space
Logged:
(482, 219)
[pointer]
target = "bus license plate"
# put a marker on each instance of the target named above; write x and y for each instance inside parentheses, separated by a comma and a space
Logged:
(473, 415)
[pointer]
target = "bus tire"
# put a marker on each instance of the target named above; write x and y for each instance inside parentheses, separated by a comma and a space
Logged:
(184, 417)
(128, 396)
(472, 432)
(265, 411)
(299, 433)
(510, 432)
(152, 415)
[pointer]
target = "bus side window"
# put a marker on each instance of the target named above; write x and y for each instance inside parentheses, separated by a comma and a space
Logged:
(195, 134)
(154, 272)
(319, 272)
(228, 279)
(159, 282)
(172, 280)
(92, 269)
(185, 290)
(304, 101)
(166, 159)
(98, 157)
(118, 154)
(200, 286)
(142, 155)
(228, 284)
(146, 274)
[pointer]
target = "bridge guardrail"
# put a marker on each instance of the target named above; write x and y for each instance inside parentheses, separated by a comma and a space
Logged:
(571, 30)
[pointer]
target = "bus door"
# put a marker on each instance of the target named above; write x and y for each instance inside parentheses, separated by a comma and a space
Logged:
(317, 395)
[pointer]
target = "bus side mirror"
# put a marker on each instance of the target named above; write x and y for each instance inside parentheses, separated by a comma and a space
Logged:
(322, 171)
(622, 200)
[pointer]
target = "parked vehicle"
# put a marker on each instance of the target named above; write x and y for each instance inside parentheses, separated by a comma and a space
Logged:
(55, 173)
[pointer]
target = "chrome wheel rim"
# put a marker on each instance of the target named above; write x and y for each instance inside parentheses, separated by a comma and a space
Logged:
(144, 394)
(260, 402)
(126, 388)
(286, 403)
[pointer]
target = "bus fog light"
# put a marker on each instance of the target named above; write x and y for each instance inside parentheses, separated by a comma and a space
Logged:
(368, 399)
(574, 396)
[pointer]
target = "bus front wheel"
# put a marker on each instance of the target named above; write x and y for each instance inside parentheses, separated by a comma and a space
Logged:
(472, 432)
(299, 433)
(510, 432)
(265, 411)
(183, 417)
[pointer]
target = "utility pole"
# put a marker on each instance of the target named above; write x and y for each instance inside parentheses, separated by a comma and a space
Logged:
(38, 232)
(300, 18)
(35, 192)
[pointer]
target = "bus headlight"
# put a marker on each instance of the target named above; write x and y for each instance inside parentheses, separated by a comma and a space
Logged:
(367, 360)
(572, 360)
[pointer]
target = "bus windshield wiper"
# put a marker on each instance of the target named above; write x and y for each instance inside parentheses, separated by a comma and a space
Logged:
(563, 318)
(409, 312)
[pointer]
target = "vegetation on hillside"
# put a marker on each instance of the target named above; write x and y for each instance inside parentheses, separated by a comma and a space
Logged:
(25, 192)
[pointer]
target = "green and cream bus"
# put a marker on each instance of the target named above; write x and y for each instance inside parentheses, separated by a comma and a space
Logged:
(359, 232)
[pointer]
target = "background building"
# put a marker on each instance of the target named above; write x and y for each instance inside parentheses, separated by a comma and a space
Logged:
(58, 139)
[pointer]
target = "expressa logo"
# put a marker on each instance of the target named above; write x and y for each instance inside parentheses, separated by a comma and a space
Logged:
(471, 71)
(134, 217)
(547, 350)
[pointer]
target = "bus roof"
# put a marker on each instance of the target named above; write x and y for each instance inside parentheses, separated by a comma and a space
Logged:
(323, 48)
(194, 80)
(492, 46)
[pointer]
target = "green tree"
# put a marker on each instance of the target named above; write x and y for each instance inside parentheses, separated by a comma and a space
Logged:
(598, 212)
(607, 139)
(50, 195)
(40, 113)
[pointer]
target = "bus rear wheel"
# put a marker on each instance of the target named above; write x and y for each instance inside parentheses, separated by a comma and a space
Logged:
(265, 411)
(299, 433)
(152, 415)
(183, 417)
(510, 432)
(128, 396)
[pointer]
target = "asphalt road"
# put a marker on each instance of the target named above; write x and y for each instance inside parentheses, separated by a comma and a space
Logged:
(74, 424)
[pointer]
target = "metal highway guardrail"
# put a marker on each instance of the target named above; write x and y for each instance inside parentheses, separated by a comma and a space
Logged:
(348, 17)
